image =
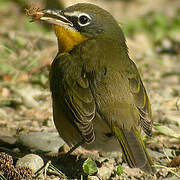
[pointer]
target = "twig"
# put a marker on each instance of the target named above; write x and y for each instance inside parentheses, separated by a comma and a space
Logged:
(169, 169)
(177, 106)
(52, 167)
(166, 155)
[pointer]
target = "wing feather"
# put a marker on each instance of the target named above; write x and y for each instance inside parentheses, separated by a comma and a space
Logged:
(79, 99)
(142, 103)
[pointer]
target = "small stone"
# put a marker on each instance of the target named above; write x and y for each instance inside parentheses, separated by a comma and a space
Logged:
(105, 171)
(93, 178)
(7, 141)
(31, 161)
(132, 172)
(54, 177)
(41, 141)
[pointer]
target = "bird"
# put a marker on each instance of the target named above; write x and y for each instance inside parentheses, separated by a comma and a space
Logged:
(98, 97)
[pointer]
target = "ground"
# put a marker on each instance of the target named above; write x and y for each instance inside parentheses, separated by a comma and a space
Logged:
(152, 30)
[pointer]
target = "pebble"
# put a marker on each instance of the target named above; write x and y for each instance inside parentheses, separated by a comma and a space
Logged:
(41, 141)
(7, 141)
(31, 161)
(131, 172)
(106, 170)
(93, 178)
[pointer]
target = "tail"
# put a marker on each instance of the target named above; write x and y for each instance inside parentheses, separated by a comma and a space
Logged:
(134, 150)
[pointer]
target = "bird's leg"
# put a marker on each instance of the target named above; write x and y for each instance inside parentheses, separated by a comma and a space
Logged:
(73, 148)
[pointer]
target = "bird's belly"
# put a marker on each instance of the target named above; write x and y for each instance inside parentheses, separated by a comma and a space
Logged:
(66, 129)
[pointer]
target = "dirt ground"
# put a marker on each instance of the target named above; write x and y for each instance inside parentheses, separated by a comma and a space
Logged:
(152, 31)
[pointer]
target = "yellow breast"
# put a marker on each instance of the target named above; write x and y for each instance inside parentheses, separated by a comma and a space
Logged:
(67, 38)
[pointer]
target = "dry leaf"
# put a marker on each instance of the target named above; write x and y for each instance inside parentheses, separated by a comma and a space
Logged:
(34, 12)
(175, 162)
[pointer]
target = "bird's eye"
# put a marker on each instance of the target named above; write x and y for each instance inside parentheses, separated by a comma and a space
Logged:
(84, 20)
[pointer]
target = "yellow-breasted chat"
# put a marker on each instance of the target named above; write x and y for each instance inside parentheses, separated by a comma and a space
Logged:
(99, 99)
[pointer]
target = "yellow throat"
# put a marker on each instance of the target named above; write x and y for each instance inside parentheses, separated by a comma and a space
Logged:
(67, 38)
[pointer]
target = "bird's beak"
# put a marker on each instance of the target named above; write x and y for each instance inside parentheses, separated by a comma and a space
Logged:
(66, 33)
(52, 16)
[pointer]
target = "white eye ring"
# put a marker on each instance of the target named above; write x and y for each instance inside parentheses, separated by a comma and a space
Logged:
(84, 19)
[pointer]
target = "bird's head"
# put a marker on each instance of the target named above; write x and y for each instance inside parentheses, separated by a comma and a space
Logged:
(81, 22)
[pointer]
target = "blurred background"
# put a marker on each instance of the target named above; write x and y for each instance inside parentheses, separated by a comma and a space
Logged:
(152, 30)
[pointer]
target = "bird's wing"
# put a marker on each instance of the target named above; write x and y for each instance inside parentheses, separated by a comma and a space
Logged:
(123, 103)
(80, 101)
(73, 88)
(141, 100)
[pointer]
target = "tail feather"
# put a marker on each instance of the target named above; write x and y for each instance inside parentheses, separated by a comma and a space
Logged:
(133, 149)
